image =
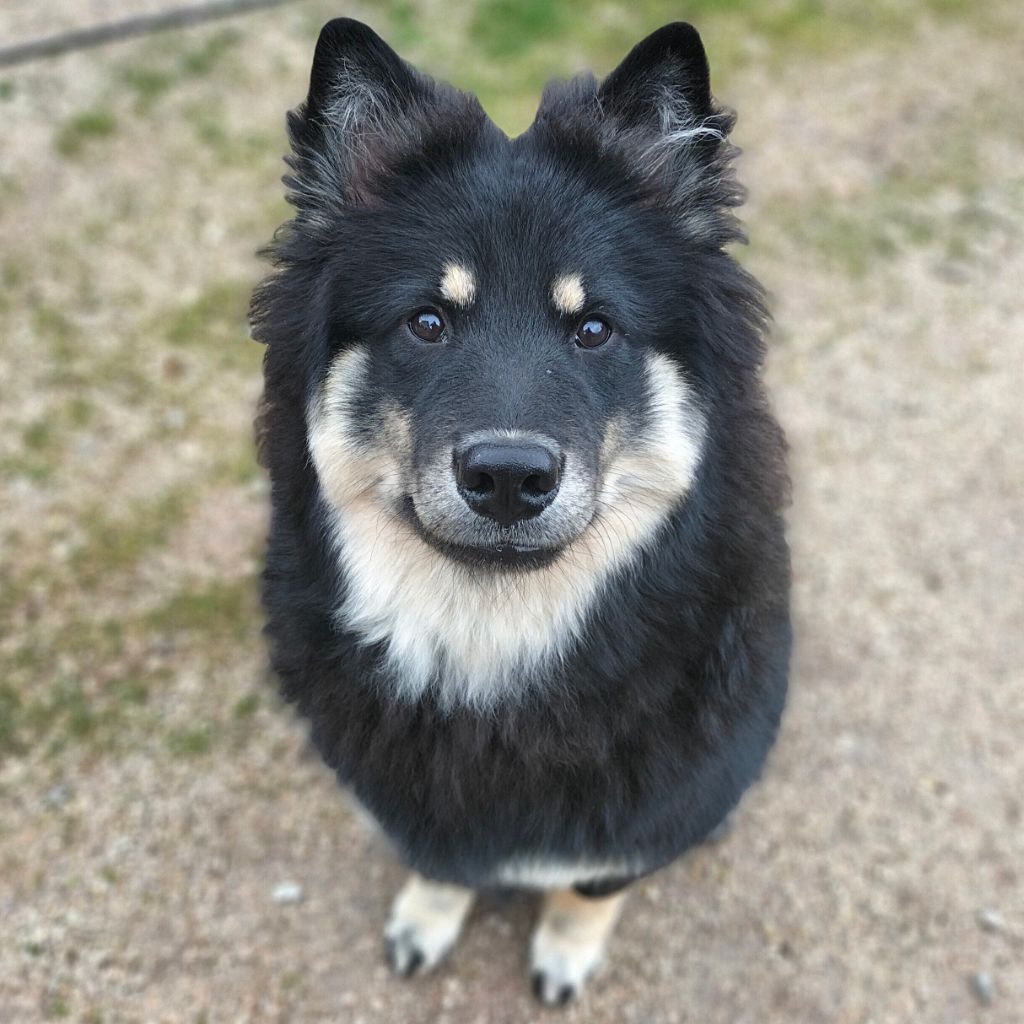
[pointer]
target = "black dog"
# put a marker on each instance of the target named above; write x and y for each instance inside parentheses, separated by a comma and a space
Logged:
(527, 575)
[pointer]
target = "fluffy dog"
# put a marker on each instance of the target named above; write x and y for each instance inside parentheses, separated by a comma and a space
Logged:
(527, 575)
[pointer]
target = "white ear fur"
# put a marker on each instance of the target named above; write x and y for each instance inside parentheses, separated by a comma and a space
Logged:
(678, 128)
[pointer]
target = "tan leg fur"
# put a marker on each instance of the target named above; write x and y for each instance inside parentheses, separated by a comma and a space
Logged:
(568, 942)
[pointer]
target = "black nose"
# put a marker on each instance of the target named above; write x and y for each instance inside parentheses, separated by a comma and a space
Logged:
(507, 481)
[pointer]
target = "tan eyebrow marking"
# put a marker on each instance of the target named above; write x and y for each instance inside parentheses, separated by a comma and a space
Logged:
(568, 294)
(458, 285)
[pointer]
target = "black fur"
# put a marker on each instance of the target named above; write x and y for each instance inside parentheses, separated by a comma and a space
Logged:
(658, 720)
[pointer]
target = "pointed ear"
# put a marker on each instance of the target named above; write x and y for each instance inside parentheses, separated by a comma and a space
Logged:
(663, 84)
(656, 114)
(365, 107)
(356, 77)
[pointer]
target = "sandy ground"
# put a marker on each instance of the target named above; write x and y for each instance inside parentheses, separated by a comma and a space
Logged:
(876, 873)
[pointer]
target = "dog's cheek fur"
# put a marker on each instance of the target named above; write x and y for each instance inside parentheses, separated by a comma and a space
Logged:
(362, 466)
(483, 637)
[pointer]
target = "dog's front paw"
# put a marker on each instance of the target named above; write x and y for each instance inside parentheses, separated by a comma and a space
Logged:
(409, 952)
(425, 922)
(568, 944)
(560, 965)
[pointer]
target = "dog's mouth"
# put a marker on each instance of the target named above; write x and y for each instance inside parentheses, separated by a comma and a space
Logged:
(501, 553)
(500, 556)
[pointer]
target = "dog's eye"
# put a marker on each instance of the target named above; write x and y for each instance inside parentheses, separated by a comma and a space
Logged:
(427, 325)
(592, 332)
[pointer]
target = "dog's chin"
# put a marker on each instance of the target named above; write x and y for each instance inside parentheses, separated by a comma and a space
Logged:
(499, 557)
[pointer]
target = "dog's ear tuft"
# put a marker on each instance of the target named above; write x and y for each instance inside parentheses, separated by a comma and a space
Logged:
(365, 107)
(663, 84)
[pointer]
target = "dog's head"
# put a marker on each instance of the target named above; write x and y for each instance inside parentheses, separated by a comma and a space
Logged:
(507, 350)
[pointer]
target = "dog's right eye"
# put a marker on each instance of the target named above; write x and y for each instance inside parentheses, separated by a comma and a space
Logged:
(427, 325)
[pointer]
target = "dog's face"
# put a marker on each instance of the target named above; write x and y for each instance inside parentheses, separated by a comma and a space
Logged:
(500, 343)
(493, 382)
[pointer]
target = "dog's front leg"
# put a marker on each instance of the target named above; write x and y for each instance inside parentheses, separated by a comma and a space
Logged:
(568, 942)
(425, 922)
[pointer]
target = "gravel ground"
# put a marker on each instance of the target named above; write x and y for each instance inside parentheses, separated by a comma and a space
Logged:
(168, 849)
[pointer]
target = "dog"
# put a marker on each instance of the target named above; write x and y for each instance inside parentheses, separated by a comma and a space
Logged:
(527, 575)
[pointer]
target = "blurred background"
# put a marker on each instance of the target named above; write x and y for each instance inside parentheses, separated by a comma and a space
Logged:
(170, 852)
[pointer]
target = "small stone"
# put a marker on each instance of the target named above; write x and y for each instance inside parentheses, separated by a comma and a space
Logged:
(174, 418)
(58, 795)
(287, 892)
(61, 550)
(213, 232)
(952, 273)
(984, 987)
(991, 921)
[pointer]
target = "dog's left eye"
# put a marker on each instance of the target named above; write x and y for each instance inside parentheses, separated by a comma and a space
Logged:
(592, 332)
(427, 325)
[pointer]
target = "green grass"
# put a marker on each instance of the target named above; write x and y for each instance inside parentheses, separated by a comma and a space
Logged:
(12, 273)
(30, 467)
(506, 28)
(11, 277)
(116, 540)
(10, 709)
(218, 612)
(62, 713)
(213, 131)
(193, 741)
(39, 455)
(84, 129)
(216, 323)
(103, 701)
(247, 706)
(54, 327)
(515, 46)
(205, 58)
(56, 1007)
(908, 206)
(106, 702)
(80, 411)
(861, 237)
(237, 462)
(38, 436)
(148, 84)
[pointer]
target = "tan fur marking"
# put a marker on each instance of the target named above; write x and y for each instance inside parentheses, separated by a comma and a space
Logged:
(568, 294)
(458, 285)
(566, 911)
